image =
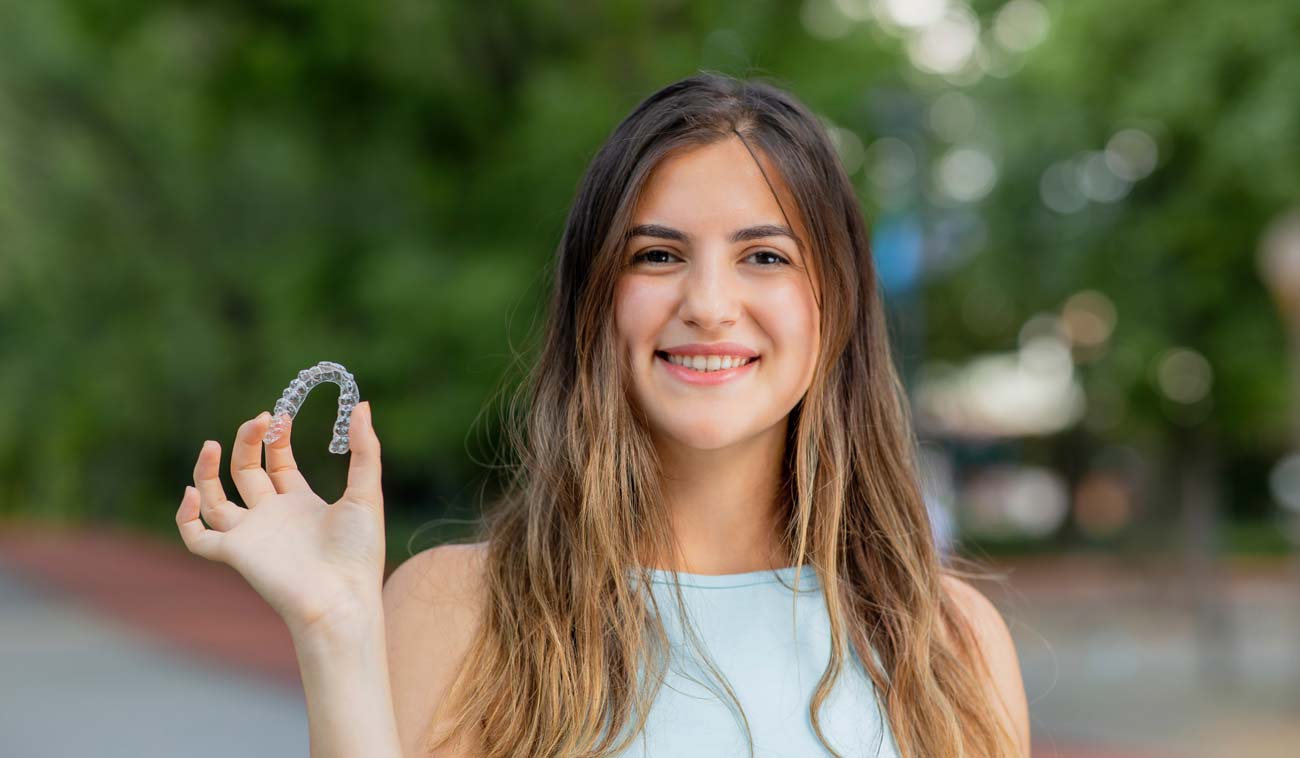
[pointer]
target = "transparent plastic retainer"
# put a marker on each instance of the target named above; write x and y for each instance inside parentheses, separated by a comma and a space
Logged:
(291, 401)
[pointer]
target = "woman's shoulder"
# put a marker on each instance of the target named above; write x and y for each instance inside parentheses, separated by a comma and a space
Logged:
(999, 651)
(430, 585)
(439, 573)
(432, 607)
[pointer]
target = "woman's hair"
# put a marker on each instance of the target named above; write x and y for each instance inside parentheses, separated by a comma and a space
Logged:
(571, 648)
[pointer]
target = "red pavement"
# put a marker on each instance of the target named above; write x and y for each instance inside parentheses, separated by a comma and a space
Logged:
(202, 607)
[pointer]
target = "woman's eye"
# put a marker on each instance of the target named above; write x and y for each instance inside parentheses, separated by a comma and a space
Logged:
(780, 258)
(643, 256)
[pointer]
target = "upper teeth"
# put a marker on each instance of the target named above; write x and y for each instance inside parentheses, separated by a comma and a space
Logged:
(708, 362)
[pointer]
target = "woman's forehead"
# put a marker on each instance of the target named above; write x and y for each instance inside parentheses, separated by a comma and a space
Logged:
(716, 186)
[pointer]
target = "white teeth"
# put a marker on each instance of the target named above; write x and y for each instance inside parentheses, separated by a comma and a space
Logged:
(707, 363)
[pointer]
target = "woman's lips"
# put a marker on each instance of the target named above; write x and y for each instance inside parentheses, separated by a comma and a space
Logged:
(709, 378)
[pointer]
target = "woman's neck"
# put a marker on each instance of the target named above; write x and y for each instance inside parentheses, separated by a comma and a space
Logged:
(724, 506)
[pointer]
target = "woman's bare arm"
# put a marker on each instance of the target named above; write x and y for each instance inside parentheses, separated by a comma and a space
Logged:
(1006, 685)
(433, 605)
(374, 679)
(344, 667)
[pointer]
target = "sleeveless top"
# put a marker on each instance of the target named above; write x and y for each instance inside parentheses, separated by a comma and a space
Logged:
(745, 621)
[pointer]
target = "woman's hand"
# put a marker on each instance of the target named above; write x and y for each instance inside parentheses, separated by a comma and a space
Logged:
(318, 565)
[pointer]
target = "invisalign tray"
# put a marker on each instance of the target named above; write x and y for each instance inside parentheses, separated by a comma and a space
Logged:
(291, 401)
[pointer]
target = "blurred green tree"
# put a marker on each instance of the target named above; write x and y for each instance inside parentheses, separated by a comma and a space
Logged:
(197, 199)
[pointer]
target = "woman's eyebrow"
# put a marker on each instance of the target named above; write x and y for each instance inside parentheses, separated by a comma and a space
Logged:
(740, 235)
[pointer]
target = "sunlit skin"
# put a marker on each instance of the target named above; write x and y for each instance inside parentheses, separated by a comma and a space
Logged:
(721, 446)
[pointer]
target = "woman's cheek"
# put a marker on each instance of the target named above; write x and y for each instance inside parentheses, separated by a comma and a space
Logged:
(635, 317)
(790, 316)
(791, 313)
(639, 308)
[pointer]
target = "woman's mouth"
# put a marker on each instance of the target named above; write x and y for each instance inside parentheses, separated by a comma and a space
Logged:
(684, 369)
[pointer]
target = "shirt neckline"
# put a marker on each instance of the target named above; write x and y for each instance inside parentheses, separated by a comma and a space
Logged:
(782, 575)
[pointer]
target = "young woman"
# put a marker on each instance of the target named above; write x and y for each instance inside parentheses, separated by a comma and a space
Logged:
(714, 544)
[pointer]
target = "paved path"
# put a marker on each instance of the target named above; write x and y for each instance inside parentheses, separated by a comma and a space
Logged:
(1113, 654)
(79, 682)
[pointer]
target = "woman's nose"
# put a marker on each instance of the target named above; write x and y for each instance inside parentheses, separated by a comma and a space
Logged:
(710, 292)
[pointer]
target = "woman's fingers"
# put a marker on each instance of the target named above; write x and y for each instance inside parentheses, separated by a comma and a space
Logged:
(200, 540)
(246, 461)
(364, 468)
(281, 466)
(220, 513)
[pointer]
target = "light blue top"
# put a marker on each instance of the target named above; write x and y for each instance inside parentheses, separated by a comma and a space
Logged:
(745, 622)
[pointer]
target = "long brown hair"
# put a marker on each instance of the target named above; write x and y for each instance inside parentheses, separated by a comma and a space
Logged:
(571, 648)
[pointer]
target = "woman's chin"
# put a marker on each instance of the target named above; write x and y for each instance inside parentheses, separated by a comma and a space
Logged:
(705, 440)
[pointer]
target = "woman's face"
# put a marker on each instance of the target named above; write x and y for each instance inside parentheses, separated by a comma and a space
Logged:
(707, 263)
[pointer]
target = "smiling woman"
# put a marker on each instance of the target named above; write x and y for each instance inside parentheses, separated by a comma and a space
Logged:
(714, 419)
(714, 542)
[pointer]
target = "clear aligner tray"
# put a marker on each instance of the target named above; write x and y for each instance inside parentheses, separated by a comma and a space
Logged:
(291, 400)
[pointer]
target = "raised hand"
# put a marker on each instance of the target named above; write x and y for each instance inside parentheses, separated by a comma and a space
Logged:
(315, 563)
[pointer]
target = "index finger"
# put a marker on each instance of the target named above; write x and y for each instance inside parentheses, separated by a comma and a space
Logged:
(246, 469)
(280, 463)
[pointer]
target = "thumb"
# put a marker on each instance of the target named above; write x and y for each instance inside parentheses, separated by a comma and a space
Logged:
(364, 469)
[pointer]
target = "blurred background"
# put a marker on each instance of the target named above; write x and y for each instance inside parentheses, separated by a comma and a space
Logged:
(1086, 216)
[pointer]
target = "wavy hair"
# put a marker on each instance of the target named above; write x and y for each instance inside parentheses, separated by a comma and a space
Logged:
(568, 620)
